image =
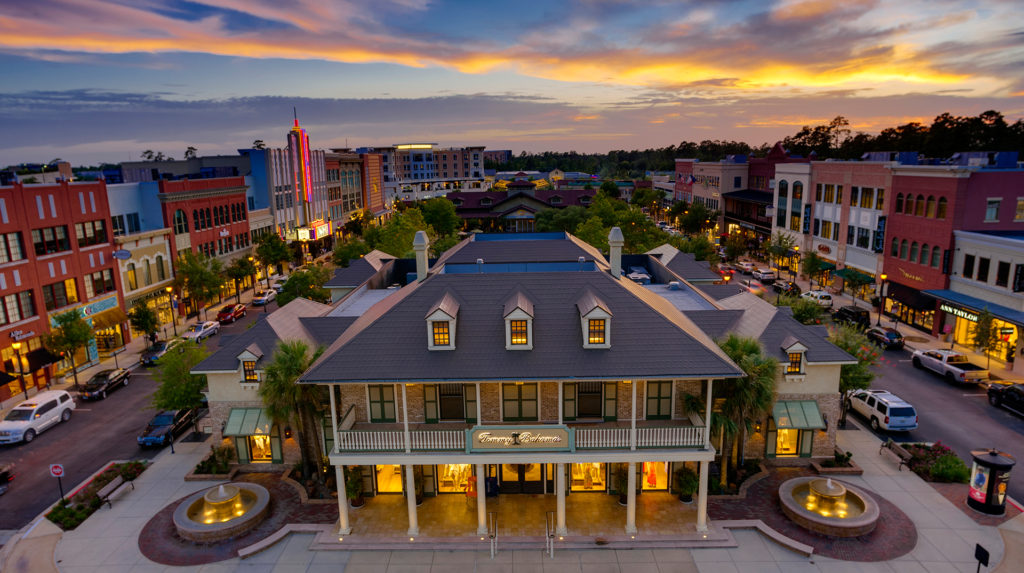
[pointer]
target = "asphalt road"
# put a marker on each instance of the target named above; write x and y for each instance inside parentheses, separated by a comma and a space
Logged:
(957, 415)
(97, 433)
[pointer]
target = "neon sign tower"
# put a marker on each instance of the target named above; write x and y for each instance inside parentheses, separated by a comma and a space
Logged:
(302, 179)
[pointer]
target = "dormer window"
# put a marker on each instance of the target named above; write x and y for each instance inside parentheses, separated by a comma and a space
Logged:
(795, 355)
(518, 314)
(796, 363)
(486, 202)
(249, 373)
(248, 358)
(555, 200)
(441, 323)
(595, 321)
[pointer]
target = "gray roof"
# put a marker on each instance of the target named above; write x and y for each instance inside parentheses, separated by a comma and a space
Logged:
(650, 339)
(716, 323)
(326, 329)
(520, 301)
(356, 273)
(528, 251)
(226, 358)
(688, 267)
(588, 301)
(446, 304)
(719, 292)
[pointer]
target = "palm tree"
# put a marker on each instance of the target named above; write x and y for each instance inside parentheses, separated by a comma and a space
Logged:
(284, 400)
(746, 399)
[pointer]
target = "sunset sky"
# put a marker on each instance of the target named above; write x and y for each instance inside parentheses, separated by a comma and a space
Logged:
(92, 80)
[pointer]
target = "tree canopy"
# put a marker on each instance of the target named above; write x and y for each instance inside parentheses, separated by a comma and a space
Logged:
(179, 388)
(69, 332)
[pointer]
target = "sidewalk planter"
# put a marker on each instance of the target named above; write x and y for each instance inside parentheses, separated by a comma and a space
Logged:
(217, 465)
(77, 507)
(834, 468)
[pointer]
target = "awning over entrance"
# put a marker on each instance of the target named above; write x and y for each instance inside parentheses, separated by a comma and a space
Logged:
(247, 422)
(853, 275)
(978, 305)
(827, 266)
(108, 318)
(40, 358)
(798, 415)
(909, 296)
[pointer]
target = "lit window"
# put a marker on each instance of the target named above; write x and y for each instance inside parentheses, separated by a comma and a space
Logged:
(249, 371)
(519, 333)
(795, 359)
(440, 330)
(596, 331)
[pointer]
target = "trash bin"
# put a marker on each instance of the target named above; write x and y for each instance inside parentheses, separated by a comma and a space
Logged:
(989, 476)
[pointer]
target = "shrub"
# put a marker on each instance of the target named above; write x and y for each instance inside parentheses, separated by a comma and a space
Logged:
(218, 461)
(841, 460)
(950, 469)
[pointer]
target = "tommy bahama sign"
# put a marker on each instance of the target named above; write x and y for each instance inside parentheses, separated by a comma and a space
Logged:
(533, 438)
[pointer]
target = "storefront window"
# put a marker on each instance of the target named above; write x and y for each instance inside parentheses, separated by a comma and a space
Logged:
(389, 478)
(654, 476)
(587, 477)
(786, 443)
(259, 449)
(454, 478)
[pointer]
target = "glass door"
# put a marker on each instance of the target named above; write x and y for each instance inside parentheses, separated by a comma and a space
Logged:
(659, 400)
(519, 402)
(382, 403)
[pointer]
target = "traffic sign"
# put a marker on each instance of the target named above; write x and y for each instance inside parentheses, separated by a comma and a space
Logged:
(56, 470)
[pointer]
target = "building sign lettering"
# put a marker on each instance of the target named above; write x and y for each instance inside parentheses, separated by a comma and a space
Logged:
(534, 438)
(910, 276)
(958, 312)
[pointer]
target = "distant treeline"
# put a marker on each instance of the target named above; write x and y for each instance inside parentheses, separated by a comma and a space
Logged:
(947, 134)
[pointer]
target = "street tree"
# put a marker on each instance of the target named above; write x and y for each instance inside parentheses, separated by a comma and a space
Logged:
(779, 246)
(594, 232)
(199, 276)
(735, 247)
(745, 400)
(985, 335)
(856, 282)
(190, 152)
(271, 250)
(238, 271)
(610, 189)
(286, 400)
(69, 333)
(349, 250)
(179, 388)
(259, 144)
(306, 283)
(144, 319)
(439, 213)
(853, 376)
(696, 219)
(811, 266)
(395, 237)
(805, 310)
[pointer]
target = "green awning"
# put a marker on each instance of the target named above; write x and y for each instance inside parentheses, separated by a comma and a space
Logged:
(827, 266)
(247, 422)
(854, 275)
(798, 415)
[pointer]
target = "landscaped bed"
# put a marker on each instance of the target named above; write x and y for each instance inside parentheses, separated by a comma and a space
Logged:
(70, 512)
(937, 463)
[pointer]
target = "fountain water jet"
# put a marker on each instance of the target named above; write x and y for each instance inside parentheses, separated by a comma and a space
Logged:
(223, 511)
(828, 506)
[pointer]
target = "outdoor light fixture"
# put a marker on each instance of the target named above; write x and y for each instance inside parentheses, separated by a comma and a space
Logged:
(757, 426)
(287, 432)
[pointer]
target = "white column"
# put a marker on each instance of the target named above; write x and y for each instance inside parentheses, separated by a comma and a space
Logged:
(405, 422)
(631, 500)
(560, 528)
(702, 498)
(479, 406)
(344, 527)
(632, 422)
(410, 490)
(481, 499)
(334, 415)
(561, 403)
(707, 419)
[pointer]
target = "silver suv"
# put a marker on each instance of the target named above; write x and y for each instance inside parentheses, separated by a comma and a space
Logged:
(34, 416)
(883, 410)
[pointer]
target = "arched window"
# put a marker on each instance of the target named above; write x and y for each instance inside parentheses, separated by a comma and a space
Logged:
(798, 190)
(147, 273)
(908, 206)
(783, 189)
(930, 209)
(241, 209)
(940, 213)
(130, 275)
(209, 218)
(895, 248)
(781, 215)
(913, 252)
(936, 256)
(196, 223)
(899, 203)
(161, 274)
(180, 222)
(919, 206)
(903, 249)
(924, 255)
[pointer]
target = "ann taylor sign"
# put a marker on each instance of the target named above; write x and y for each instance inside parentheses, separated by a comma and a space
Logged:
(532, 438)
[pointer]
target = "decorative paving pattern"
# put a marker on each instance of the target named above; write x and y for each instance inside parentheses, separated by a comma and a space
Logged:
(956, 493)
(894, 535)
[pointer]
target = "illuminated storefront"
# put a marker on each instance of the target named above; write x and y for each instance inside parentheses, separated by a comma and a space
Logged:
(791, 429)
(256, 438)
(961, 320)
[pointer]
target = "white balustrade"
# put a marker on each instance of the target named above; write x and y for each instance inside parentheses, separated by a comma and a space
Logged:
(616, 438)
(381, 441)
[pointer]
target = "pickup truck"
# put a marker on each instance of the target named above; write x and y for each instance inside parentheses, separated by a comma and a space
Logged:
(953, 366)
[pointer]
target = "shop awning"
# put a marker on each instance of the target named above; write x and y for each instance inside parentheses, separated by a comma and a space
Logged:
(961, 300)
(247, 422)
(909, 296)
(108, 318)
(798, 415)
(6, 378)
(40, 358)
(853, 275)
(827, 266)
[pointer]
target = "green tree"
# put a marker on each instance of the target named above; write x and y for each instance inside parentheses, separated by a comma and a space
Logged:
(439, 213)
(745, 400)
(201, 277)
(286, 400)
(306, 283)
(567, 219)
(238, 271)
(779, 247)
(179, 388)
(594, 232)
(190, 152)
(610, 189)
(349, 250)
(68, 333)
(856, 283)
(271, 250)
(811, 265)
(442, 244)
(735, 247)
(696, 219)
(985, 335)
(853, 376)
(395, 237)
(805, 311)
(144, 319)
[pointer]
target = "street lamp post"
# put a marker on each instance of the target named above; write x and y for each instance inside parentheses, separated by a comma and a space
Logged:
(881, 301)
(17, 356)
(794, 268)
(170, 307)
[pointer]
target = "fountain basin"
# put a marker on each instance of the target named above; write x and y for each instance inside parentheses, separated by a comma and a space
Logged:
(221, 512)
(829, 507)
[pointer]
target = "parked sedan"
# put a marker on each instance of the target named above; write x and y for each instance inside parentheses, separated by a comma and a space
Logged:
(821, 297)
(788, 288)
(201, 330)
(165, 426)
(104, 382)
(263, 297)
(887, 338)
(231, 313)
(152, 355)
(1007, 394)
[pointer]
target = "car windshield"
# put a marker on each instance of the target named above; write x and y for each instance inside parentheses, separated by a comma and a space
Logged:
(17, 415)
(260, 293)
(902, 412)
(100, 377)
(892, 335)
(162, 420)
(195, 328)
(158, 346)
(227, 309)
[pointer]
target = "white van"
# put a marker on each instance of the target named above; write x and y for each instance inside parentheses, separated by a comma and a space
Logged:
(34, 416)
(883, 410)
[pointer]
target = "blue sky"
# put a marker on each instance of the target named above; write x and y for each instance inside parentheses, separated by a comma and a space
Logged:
(106, 79)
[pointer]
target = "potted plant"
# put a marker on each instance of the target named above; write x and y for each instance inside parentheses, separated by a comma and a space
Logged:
(621, 475)
(685, 483)
(354, 486)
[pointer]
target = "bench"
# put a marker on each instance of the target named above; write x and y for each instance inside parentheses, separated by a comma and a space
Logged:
(903, 455)
(110, 489)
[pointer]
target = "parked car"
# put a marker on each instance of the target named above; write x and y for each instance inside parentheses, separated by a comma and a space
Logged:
(165, 426)
(231, 313)
(764, 275)
(747, 267)
(726, 270)
(853, 315)
(754, 286)
(819, 296)
(278, 283)
(887, 338)
(1009, 395)
(152, 355)
(33, 417)
(788, 288)
(951, 365)
(104, 382)
(883, 410)
(263, 297)
(201, 330)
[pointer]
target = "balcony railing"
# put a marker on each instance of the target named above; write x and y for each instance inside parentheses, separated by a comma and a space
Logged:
(619, 438)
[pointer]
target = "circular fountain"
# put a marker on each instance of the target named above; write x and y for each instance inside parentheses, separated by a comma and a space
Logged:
(828, 506)
(223, 511)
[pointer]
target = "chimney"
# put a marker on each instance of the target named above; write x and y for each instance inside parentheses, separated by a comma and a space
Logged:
(615, 243)
(419, 244)
(480, 265)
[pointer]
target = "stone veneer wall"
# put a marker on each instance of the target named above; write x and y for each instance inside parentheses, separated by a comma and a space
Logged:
(682, 388)
(491, 407)
(415, 394)
(824, 440)
(219, 412)
(548, 401)
(625, 400)
(353, 394)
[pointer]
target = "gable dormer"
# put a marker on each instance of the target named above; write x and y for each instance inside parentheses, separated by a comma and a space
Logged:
(796, 362)
(441, 321)
(595, 321)
(248, 359)
(518, 315)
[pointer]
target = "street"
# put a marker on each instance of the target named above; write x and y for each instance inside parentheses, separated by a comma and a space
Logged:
(958, 416)
(98, 432)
